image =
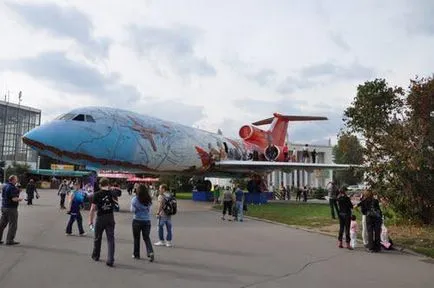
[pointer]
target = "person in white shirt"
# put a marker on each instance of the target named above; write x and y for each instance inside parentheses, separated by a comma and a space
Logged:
(163, 218)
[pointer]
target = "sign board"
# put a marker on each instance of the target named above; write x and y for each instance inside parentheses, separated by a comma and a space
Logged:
(62, 167)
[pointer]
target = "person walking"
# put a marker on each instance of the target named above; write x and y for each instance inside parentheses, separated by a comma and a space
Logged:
(74, 207)
(239, 200)
(10, 200)
(63, 191)
(103, 205)
(141, 206)
(31, 191)
(227, 204)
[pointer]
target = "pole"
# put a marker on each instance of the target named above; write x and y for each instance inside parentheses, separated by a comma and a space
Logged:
(18, 132)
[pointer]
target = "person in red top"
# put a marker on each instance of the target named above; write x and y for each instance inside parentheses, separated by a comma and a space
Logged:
(285, 153)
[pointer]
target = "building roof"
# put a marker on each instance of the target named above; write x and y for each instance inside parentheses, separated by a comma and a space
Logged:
(23, 107)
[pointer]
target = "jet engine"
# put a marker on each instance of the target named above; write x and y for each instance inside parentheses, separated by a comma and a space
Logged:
(253, 134)
(271, 152)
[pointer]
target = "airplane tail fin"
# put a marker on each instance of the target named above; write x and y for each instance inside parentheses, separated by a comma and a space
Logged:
(279, 125)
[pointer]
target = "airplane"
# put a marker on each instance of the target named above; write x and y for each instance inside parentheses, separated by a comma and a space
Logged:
(103, 138)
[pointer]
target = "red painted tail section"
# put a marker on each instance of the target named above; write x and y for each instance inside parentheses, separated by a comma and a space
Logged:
(278, 129)
(276, 134)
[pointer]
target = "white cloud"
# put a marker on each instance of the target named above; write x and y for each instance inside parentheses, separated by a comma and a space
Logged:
(211, 64)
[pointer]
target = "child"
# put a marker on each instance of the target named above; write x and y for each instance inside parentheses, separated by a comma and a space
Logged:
(386, 242)
(354, 228)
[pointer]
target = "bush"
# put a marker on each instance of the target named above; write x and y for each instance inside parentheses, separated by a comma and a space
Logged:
(320, 193)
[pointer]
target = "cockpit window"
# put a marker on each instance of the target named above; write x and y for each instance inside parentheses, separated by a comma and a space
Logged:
(89, 118)
(67, 116)
(79, 117)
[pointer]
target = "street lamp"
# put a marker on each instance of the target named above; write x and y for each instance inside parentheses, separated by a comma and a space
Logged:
(17, 135)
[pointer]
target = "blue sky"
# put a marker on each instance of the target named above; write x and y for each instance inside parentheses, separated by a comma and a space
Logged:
(212, 64)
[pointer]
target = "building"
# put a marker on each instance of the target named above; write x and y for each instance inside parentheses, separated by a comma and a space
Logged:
(301, 178)
(15, 121)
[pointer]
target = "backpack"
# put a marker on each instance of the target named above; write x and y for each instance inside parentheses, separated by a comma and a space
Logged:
(373, 212)
(169, 205)
(79, 197)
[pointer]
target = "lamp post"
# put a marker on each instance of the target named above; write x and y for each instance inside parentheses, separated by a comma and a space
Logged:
(17, 135)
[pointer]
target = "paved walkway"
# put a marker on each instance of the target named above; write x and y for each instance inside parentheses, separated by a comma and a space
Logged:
(207, 252)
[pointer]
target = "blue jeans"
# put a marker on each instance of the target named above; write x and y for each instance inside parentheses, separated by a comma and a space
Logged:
(240, 210)
(161, 222)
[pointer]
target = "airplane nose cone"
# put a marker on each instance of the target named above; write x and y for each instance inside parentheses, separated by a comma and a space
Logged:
(36, 138)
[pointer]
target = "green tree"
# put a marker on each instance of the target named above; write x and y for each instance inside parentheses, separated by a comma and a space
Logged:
(177, 183)
(348, 151)
(20, 170)
(242, 182)
(398, 132)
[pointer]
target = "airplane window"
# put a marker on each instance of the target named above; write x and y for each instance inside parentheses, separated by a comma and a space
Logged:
(79, 117)
(68, 116)
(89, 118)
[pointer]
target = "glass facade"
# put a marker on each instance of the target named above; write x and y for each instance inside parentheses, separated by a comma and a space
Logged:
(15, 121)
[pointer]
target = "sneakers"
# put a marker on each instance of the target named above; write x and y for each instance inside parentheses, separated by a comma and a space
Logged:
(83, 234)
(163, 243)
(160, 243)
(12, 243)
(340, 244)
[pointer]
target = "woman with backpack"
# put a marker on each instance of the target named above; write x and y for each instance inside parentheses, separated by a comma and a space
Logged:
(141, 207)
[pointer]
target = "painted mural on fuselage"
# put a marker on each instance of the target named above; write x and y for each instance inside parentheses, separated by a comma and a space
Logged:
(123, 140)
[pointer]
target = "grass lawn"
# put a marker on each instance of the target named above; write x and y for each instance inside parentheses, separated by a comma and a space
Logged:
(184, 195)
(419, 239)
(317, 217)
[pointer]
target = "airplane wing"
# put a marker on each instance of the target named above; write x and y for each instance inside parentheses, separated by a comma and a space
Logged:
(265, 166)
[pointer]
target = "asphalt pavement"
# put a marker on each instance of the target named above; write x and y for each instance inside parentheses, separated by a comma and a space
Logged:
(207, 252)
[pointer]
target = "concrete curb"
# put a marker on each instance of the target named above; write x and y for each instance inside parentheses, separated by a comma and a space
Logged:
(397, 248)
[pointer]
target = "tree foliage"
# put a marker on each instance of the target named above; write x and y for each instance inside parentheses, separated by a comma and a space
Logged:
(348, 151)
(19, 170)
(241, 182)
(397, 128)
(177, 183)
